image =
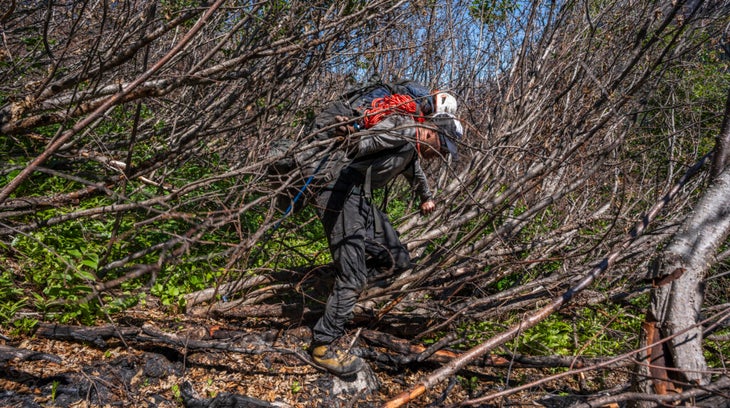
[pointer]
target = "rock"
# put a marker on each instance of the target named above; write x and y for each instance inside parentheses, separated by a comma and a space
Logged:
(363, 383)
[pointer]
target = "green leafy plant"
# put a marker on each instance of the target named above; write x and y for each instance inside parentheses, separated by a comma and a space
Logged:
(476, 332)
(470, 384)
(507, 282)
(24, 326)
(717, 349)
(54, 390)
(175, 389)
(606, 331)
(551, 336)
(590, 331)
(296, 387)
(11, 297)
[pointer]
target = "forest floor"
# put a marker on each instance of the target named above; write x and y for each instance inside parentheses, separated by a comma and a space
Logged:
(151, 359)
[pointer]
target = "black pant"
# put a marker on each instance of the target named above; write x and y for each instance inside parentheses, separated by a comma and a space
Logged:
(362, 241)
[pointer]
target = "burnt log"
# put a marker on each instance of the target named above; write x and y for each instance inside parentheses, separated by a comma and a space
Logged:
(10, 353)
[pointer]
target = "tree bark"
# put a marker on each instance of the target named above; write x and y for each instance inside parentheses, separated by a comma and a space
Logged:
(722, 143)
(677, 276)
(677, 297)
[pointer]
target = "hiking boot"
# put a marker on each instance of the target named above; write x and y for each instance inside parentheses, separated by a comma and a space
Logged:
(336, 361)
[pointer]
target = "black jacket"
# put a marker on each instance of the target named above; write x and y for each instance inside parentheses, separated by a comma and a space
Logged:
(388, 149)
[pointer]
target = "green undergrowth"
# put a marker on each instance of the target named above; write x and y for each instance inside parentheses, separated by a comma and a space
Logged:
(59, 254)
(50, 272)
(717, 350)
(590, 331)
(57, 267)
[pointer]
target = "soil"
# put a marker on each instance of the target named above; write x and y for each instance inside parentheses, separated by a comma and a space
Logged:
(171, 361)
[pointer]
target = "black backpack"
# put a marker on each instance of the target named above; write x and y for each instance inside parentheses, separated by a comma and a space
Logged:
(361, 98)
(299, 169)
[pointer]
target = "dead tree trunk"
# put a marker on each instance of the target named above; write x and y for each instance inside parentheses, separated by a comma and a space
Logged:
(678, 275)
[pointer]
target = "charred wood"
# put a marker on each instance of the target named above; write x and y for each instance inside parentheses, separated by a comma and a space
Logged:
(10, 353)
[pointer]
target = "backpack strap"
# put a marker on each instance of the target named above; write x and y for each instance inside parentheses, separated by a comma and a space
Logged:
(368, 193)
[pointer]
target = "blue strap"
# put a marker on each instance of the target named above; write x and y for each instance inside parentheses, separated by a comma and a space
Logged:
(301, 191)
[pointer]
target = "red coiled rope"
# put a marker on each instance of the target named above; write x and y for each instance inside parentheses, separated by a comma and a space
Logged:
(388, 105)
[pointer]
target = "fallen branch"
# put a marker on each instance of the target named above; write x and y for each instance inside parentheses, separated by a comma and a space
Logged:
(416, 353)
(93, 335)
(720, 387)
(281, 311)
(104, 107)
(9, 353)
(232, 287)
(226, 399)
(626, 356)
(252, 344)
(535, 318)
(198, 338)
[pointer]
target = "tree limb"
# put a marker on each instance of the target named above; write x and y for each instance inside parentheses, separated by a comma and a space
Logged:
(535, 318)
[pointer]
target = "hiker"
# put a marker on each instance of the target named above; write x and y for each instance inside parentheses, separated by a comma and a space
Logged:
(361, 239)
(362, 107)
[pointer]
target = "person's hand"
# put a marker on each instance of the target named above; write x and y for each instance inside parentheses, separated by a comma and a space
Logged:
(427, 207)
(345, 129)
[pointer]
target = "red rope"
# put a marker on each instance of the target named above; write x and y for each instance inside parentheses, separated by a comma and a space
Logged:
(388, 105)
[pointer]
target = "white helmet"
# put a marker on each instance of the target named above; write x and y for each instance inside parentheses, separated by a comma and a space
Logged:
(445, 103)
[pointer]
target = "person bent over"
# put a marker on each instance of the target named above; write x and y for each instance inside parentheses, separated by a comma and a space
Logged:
(361, 239)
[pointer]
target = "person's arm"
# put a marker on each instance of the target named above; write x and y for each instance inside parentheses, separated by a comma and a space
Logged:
(416, 176)
(391, 132)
